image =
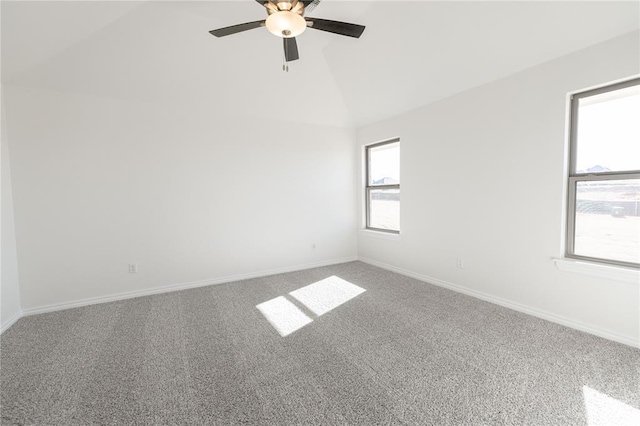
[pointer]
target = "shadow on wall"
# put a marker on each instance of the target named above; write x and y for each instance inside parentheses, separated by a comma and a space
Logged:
(286, 313)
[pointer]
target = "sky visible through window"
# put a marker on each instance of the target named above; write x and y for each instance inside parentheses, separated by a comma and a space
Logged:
(609, 131)
(385, 162)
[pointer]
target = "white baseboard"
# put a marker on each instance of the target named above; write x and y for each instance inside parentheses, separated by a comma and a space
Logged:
(455, 287)
(558, 319)
(175, 287)
(11, 321)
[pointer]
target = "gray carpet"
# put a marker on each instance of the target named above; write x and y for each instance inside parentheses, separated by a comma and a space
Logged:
(400, 352)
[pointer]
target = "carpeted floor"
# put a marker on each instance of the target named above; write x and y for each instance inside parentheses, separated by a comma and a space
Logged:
(378, 349)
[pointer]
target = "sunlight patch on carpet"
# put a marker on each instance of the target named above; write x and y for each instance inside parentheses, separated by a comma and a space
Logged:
(603, 410)
(319, 298)
(323, 296)
(283, 315)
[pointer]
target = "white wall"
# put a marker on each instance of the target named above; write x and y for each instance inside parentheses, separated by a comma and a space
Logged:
(10, 290)
(483, 179)
(188, 193)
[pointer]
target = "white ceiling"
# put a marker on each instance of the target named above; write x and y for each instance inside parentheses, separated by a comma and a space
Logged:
(412, 52)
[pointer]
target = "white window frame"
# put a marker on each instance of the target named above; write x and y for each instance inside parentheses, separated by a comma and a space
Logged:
(574, 177)
(368, 187)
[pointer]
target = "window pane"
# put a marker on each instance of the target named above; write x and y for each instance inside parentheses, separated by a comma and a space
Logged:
(384, 209)
(608, 220)
(384, 164)
(608, 136)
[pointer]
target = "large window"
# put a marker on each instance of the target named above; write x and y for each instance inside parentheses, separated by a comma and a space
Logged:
(383, 186)
(603, 221)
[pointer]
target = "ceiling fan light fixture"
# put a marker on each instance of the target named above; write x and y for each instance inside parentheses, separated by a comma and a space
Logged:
(286, 24)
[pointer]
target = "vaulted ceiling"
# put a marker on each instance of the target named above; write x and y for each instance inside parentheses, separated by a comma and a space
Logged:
(412, 52)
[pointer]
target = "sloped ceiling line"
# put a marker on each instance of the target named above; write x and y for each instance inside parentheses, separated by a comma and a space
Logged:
(411, 54)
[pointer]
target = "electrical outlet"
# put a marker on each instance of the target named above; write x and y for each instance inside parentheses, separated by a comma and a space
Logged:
(133, 268)
(460, 262)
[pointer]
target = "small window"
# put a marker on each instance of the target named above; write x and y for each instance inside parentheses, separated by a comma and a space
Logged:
(603, 220)
(383, 186)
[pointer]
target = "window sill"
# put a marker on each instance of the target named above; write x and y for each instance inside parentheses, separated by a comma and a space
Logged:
(609, 272)
(380, 234)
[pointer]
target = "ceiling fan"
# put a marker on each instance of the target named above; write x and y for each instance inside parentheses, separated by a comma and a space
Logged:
(286, 19)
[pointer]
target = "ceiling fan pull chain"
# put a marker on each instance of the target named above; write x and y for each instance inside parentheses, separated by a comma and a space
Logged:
(285, 65)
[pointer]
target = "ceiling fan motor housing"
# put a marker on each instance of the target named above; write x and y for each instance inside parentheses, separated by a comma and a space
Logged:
(279, 6)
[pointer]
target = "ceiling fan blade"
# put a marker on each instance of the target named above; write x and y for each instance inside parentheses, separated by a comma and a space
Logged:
(310, 5)
(221, 32)
(336, 27)
(269, 5)
(290, 49)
